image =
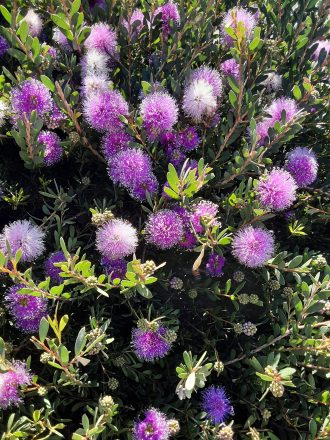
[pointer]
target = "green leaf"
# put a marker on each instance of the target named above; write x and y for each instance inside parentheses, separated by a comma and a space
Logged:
(144, 291)
(60, 22)
(48, 82)
(23, 31)
(254, 43)
(287, 372)
(75, 7)
(64, 354)
(80, 341)
(171, 193)
(295, 262)
(43, 329)
(297, 92)
(6, 14)
(232, 98)
(63, 322)
(190, 382)
(264, 377)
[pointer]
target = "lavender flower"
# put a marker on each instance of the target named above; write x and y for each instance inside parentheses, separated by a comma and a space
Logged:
(135, 25)
(92, 84)
(102, 38)
(112, 143)
(322, 45)
(22, 234)
(211, 76)
(169, 12)
(214, 265)
(116, 239)
(55, 118)
(199, 100)
(61, 40)
(273, 82)
(31, 95)
(231, 20)
(27, 310)
(204, 209)
(282, 104)
(34, 22)
(253, 246)
(262, 130)
(276, 191)
(216, 404)
(52, 147)
(302, 165)
(159, 112)
(164, 229)
(149, 345)
(51, 271)
(131, 168)
(154, 426)
(189, 139)
(230, 68)
(103, 110)
(10, 381)
(94, 63)
(4, 46)
(115, 268)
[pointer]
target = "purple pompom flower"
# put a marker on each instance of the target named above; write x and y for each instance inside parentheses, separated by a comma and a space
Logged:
(211, 76)
(149, 345)
(97, 4)
(322, 45)
(61, 40)
(116, 239)
(16, 375)
(154, 426)
(22, 234)
(132, 169)
(55, 118)
(276, 191)
(253, 246)
(51, 271)
(159, 112)
(189, 139)
(103, 110)
(282, 104)
(214, 265)
(4, 46)
(52, 147)
(102, 38)
(302, 165)
(169, 12)
(164, 229)
(176, 156)
(230, 68)
(199, 100)
(216, 404)
(135, 25)
(31, 95)
(34, 22)
(27, 310)
(262, 130)
(231, 20)
(112, 143)
(203, 209)
(115, 268)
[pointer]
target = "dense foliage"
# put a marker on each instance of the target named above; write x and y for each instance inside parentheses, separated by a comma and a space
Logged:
(163, 248)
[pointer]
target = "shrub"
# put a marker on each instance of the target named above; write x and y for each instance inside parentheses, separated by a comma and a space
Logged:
(164, 189)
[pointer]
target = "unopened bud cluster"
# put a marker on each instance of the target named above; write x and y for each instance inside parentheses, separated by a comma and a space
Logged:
(244, 299)
(148, 267)
(192, 293)
(106, 403)
(74, 137)
(119, 361)
(173, 426)
(99, 218)
(91, 281)
(238, 276)
(288, 291)
(170, 336)
(326, 308)
(319, 262)
(254, 434)
(277, 389)
(274, 285)
(45, 358)
(249, 329)
(226, 433)
(42, 391)
(266, 414)
(218, 366)
(176, 283)
(92, 336)
(113, 383)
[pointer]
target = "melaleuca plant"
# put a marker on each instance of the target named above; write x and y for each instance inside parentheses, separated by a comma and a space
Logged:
(164, 189)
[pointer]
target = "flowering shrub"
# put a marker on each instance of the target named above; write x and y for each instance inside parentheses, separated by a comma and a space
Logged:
(163, 196)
